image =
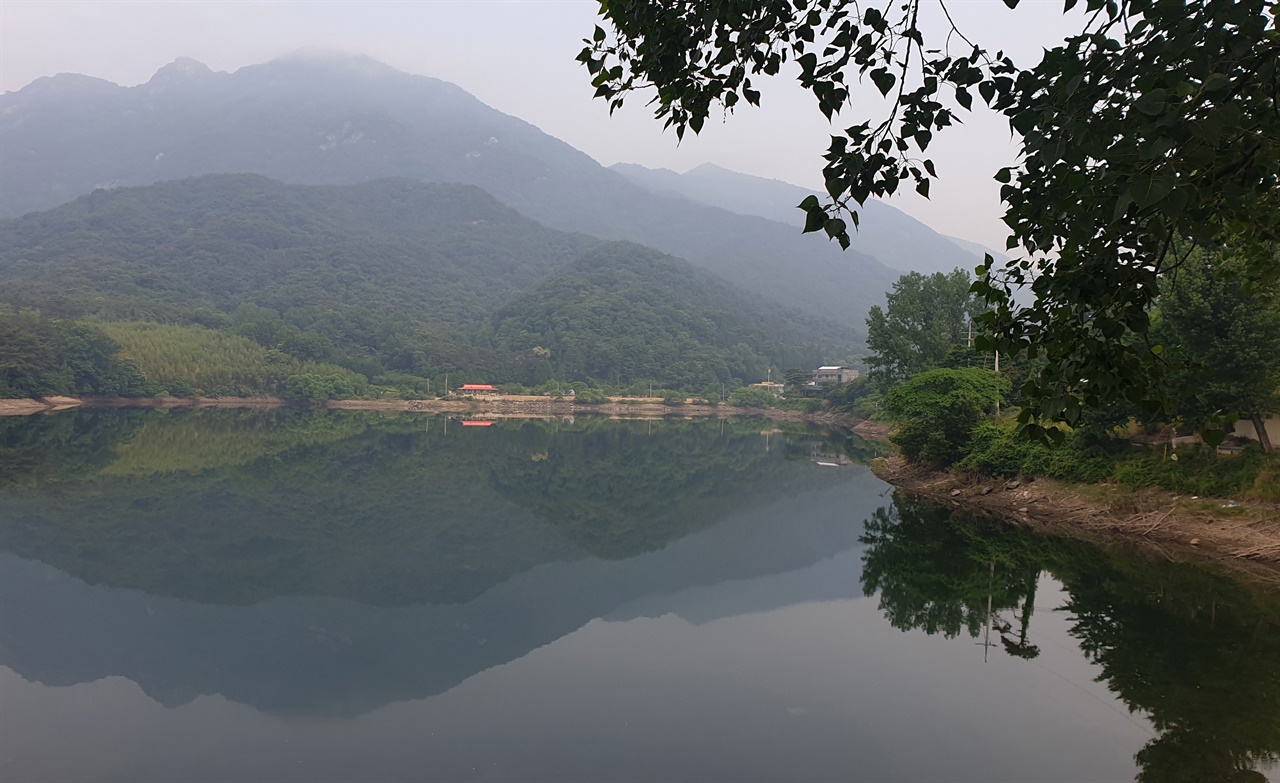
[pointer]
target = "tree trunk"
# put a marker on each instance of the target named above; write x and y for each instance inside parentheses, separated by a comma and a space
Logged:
(1259, 426)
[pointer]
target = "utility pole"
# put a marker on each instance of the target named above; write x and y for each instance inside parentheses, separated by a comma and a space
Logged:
(986, 638)
(997, 388)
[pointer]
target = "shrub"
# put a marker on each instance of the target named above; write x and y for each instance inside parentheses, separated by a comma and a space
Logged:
(937, 412)
(998, 450)
(752, 397)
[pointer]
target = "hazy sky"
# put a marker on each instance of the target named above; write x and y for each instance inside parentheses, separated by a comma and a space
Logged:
(518, 58)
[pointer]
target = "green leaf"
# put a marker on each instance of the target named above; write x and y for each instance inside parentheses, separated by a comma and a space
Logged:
(1213, 437)
(1153, 102)
(1004, 175)
(1150, 190)
(1216, 81)
(814, 220)
(884, 80)
(922, 187)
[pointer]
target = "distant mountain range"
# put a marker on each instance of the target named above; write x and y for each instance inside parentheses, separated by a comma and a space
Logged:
(889, 235)
(404, 276)
(334, 119)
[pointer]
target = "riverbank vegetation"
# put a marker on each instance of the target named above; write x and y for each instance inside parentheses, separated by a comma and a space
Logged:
(1218, 337)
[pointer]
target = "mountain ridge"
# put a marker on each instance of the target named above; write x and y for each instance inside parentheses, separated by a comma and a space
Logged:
(344, 119)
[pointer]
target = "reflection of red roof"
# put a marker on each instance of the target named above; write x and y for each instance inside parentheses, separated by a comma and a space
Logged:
(477, 424)
(477, 387)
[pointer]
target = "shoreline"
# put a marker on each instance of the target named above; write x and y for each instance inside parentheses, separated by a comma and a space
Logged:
(1242, 538)
(489, 407)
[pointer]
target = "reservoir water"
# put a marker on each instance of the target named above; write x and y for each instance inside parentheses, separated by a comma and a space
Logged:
(339, 596)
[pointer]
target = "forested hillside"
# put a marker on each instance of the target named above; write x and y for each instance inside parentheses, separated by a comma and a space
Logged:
(441, 253)
(343, 119)
(622, 311)
(321, 291)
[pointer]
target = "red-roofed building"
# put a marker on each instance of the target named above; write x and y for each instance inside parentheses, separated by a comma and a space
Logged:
(476, 387)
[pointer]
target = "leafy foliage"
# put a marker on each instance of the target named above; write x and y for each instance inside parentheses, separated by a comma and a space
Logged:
(1222, 338)
(41, 356)
(1157, 121)
(937, 412)
(998, 450)
(925, 317)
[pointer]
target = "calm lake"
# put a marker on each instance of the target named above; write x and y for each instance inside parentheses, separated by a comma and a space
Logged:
(338, 596)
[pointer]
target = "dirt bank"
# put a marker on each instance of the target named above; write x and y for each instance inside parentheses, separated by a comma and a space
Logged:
(1242, 537)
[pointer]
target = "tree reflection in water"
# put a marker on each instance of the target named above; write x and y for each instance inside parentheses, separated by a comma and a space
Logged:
(1196, 652)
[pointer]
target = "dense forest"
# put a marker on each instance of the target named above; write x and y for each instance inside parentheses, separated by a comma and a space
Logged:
(622, 311)
(235, 284)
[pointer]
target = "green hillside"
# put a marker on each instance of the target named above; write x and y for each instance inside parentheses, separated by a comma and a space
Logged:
(439, 253)
(622, 311)
(235, 284)
(339, 119)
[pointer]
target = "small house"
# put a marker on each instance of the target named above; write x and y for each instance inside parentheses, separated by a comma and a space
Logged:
(834, 374)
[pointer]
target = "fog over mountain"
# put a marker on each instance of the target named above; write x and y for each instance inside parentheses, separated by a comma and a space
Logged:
(889, 235)
(331, 119)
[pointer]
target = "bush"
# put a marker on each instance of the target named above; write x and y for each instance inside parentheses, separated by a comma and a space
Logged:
(315, 386)
(998, 450)
(752, 397)
(937, 412)
(591, 397)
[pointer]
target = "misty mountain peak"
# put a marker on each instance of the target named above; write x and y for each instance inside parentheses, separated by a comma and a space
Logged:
(336, 59)
(181, 69)
(179, 73)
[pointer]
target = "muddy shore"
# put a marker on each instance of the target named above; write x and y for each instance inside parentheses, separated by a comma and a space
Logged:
(1240, 537)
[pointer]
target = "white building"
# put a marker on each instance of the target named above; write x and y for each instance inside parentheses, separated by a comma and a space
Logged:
(834, 374)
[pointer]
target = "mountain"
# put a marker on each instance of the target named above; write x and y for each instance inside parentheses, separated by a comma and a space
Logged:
(624, 311)
(889, 235)
(441, 253)
(394, 275)
(333, 119)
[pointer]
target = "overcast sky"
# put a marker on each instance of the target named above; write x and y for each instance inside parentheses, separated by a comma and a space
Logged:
(519, 58)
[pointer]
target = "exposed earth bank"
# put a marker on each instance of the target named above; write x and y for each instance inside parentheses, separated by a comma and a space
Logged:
(1243, 537)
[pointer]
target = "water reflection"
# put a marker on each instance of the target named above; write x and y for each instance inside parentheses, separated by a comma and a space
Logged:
(329, 564)
(587, 599)
(1196, 653)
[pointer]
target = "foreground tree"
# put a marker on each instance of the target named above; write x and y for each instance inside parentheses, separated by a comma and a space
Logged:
(923, 319)
(1225, 338)
(1158, 121)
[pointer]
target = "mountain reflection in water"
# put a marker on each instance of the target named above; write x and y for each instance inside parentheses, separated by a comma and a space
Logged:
(582, 599)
